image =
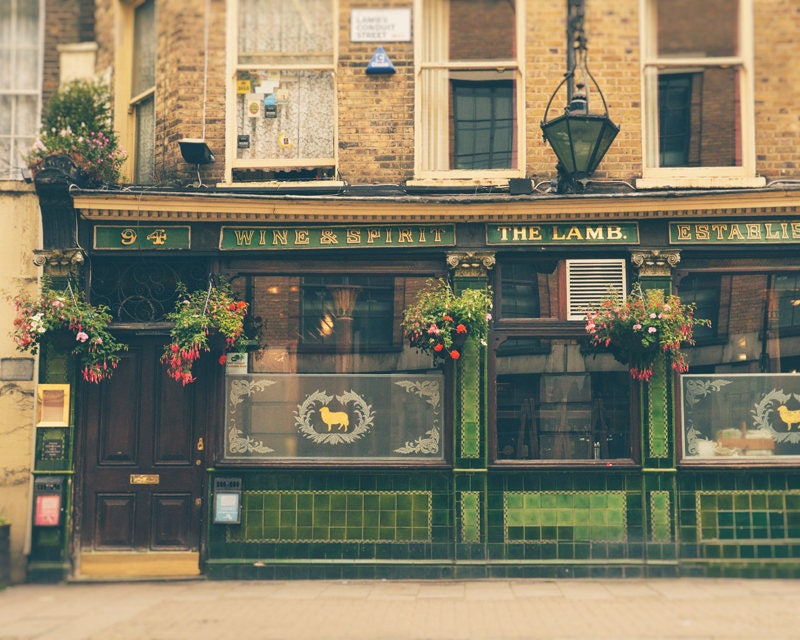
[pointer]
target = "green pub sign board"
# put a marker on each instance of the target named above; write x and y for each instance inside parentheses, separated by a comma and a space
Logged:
(136, 238)
(563, 233)
(336, 237)
(721, 232)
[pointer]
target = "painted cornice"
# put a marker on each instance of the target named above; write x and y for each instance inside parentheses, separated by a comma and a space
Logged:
(216, 207)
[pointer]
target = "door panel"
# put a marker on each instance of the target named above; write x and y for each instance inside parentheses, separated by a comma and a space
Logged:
(171, 514)
(114, 523)
(142, 470)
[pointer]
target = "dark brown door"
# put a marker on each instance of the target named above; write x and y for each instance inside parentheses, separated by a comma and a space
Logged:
(143, 456)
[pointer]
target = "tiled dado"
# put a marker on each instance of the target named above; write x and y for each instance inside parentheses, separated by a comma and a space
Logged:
(334, 516)
(747, 515)
(564, 516)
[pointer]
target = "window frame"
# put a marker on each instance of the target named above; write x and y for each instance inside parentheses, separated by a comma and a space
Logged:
(555, 328)
(655, 176)
(12, 167)
(432, 119)
(126, 103)
(233, 163)
(242, 272)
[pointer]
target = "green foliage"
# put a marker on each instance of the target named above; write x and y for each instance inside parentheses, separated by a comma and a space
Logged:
(77, 122)
(642, 326)
(65, 311)
(439, 321)
(199, 315)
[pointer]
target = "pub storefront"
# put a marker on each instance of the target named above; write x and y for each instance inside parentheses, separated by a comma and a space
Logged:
(332, 448)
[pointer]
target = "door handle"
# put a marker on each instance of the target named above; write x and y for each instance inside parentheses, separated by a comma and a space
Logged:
(200, 444)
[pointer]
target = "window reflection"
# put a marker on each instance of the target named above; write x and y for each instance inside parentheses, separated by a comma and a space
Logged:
(327, 323)
(757, 313)
(739, 400)
(558, 401)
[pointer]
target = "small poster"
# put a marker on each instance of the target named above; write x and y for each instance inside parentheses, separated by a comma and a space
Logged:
(253, 103)
(48, 510)
(226, 507)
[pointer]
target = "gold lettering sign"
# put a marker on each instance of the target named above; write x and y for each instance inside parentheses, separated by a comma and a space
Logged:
(336, 237)
(145, 478)
(720, 232)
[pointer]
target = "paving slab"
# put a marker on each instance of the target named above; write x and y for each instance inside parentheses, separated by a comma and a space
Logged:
(572, 609)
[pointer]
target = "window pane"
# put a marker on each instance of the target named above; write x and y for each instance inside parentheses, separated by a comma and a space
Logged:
(19, 107)
(334, 324)
(144, 45)
(528, 290)
(555, 403)
(482, 30)
(145, 142)
(271, 29)
(297, 122)
(699, 119)
(707, 29)
(704, 291)
(759, 318)
(483, 124)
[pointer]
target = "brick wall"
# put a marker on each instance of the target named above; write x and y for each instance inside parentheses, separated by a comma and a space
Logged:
(375, 124)
(67, 22)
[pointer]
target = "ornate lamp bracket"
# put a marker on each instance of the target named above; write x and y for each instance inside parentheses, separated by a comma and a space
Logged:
(655, 262)
(59, 263)
(470, 264)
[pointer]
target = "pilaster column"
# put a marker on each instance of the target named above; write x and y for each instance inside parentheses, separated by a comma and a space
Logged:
(659, 482)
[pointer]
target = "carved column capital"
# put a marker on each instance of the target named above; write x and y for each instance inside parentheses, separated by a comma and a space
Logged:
(59, 263)
(470, 264)
(655, 262)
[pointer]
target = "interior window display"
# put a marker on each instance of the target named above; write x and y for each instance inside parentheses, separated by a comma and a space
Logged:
(741, 399)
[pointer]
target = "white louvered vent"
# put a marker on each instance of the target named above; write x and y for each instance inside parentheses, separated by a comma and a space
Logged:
(590, 281)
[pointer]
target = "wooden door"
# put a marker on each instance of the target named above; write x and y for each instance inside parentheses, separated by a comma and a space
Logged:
(143, 456)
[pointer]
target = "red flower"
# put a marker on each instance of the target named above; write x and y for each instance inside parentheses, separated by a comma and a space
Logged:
(222, 359)
(455, 355)
(447, 318)
(438, 347)
(461, 329)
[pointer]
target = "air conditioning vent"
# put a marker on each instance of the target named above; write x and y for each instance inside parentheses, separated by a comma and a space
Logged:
(590, 281)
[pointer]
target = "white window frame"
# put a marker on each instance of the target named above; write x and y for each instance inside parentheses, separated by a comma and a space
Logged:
(125, 103)
(233, 67)
(654, 176)
(12, 166)
(431, 123)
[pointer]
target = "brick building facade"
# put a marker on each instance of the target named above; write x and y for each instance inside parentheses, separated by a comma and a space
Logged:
(334, 448)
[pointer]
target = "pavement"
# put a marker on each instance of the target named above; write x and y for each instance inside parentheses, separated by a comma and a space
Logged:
(685, 608)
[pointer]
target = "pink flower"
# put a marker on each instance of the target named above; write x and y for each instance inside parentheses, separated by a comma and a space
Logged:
(637, 326)
(81, 336)
(433, 330)
(652, 330)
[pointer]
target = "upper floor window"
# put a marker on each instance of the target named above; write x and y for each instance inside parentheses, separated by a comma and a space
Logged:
(469, 89)
(143, 92)
(698, 93)
(20, 90)
(281, 104)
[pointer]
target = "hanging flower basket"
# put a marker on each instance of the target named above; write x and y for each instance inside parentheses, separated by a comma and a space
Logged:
(205, 320)
(647, 324)
(66, 320)
(439, 322)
